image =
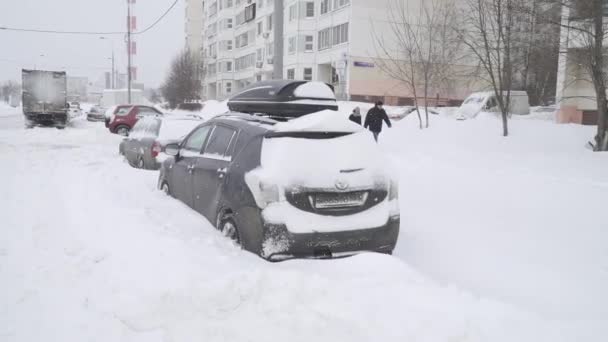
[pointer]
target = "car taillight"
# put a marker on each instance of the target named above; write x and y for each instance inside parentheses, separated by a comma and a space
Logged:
(156, 149)
(393, 191)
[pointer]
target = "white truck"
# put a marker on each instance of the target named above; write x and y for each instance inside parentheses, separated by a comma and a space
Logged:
(486, 102)
(44, 98)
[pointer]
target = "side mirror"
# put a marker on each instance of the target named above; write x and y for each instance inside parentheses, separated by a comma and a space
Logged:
(172, 150)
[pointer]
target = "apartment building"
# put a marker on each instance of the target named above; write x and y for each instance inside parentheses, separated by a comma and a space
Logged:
(194, 25)
(244, 41)
(576, 99)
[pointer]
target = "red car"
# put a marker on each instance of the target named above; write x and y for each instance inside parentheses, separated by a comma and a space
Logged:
(126, 116)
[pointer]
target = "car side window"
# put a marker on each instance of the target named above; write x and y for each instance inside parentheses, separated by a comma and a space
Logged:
(219, 142)
(196, 140)
(123, 111)
(145, 111)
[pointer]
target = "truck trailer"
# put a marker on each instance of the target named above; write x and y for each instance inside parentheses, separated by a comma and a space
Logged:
(44, 98)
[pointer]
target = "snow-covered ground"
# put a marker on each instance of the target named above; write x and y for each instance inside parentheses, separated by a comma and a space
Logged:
(503, 239)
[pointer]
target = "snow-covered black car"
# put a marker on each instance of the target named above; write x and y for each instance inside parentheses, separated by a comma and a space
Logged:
(313, 186)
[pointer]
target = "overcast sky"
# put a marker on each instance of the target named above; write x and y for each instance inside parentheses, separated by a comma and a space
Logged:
(87, 55)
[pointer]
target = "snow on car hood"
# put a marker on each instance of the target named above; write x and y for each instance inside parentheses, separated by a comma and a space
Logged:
(469, 110)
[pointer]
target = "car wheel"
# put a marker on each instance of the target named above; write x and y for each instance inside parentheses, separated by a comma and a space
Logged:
(140, 163)
(165, 188)
(230, 230)
(122, 130)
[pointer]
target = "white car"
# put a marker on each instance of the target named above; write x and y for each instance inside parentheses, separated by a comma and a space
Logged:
(74, 111)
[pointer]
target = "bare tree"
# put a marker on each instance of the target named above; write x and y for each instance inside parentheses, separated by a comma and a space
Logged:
(488, 33)
(587, 29)
(421, 48)
(536, 50)
(183, 82)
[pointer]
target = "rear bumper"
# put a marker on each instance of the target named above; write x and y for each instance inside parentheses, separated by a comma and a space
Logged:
(95, 117)
(280, 244)
(47, 117)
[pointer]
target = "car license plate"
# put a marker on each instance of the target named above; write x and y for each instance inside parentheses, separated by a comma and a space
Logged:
(340, 200)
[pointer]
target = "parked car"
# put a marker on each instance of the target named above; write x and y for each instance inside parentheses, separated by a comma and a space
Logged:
(96, 113)
(144, 146)
(74, 110)
(124, 119)
(115, 110)
(287, 189)
(482, 102)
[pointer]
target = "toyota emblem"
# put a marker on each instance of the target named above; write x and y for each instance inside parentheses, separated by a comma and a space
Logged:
(341, 184)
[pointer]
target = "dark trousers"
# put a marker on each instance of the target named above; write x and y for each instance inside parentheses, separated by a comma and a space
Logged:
(376, 134)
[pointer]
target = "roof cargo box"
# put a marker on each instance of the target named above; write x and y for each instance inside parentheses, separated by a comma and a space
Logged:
(284, 98)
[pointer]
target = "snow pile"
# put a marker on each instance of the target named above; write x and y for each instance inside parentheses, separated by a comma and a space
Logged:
(501, 240)
(513, 218)
(317, 90)
(7, 110)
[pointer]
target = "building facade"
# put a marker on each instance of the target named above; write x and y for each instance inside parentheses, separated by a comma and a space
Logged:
(575, 98)
(244, 41)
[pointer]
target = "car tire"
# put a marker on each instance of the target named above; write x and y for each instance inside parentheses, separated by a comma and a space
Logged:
(123, 130)
(164, 187)
(141, 164)
(228, 228)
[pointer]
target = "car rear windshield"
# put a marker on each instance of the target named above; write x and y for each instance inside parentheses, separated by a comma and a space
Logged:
(122, 111)
(176, 129)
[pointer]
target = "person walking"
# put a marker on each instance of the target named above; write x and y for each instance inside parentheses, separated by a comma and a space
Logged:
(374, 118)
(355, 116)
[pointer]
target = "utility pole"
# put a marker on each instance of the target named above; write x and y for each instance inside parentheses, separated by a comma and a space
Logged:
(129, 47)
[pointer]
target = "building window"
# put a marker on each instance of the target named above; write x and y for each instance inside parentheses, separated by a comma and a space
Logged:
(260, 28)
(324, 41)
(291, 45)
(310, 9)
(291, 74)
(228, 23)
(307, 74)
(213, 9)
(325, 6)
(229, 45)
(308, 44)
(293, 12)
(244, 62)
(340, 34)
(260, 3)
(212, 69)
(269, 23)
(228, 66)
(228, 86)
(260, 54)
(250, 12)
(340, 3)
(228, 3)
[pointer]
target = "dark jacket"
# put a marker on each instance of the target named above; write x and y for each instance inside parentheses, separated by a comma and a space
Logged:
(355, 118)
(374, 118)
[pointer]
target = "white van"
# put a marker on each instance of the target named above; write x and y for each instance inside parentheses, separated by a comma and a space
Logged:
(486, 102)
